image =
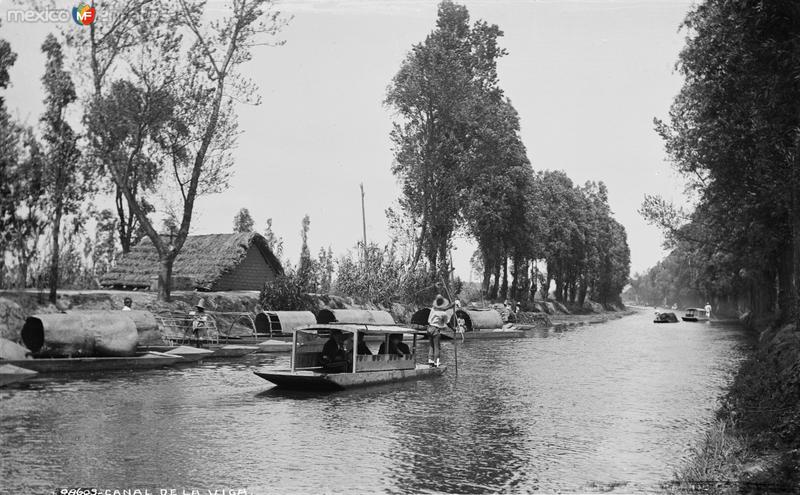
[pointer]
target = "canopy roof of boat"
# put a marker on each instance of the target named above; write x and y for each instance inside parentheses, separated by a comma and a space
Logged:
(365, 328)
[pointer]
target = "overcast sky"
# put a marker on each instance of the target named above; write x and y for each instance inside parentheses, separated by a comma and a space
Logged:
(587, 78)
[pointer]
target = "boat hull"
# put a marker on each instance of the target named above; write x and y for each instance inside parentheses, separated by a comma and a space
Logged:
(693, 318)
(61, 365)
(12, 374)
(310, 380)
(231, 351)
(486, 334)
(271, 346)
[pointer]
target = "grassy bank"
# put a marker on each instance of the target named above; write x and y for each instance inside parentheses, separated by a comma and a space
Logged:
(754, 445)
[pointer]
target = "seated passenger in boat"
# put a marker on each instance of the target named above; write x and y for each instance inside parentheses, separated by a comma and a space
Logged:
(396, 346)
(334, 355)
(363, 350)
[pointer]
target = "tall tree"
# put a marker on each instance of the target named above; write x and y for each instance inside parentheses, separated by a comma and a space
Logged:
(435, 93)
(243, 222)
(199, 79)
(65, 181)
(10, 150)
(733, 129)
(306, 272)
(274, 242)
(121, 115)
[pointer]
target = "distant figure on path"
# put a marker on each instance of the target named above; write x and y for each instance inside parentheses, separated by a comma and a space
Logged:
(126, 304)
(708, 310)
(437, 321)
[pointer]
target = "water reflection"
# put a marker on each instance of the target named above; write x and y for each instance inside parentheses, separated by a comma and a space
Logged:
(591, 408)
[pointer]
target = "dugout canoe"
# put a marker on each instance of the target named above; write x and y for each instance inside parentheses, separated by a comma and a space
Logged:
(149, 360)
(12, 374)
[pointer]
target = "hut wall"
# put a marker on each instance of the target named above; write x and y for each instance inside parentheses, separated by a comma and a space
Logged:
(251, 274)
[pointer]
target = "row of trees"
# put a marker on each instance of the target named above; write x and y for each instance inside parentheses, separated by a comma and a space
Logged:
(158, 125)
(464, 169)
(734, 133)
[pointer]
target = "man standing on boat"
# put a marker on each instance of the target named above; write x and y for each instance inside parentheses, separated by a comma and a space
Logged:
(199, 321)
(437, 321)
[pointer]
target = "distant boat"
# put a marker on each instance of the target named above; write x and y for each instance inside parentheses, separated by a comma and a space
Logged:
(308, 373)
(667, 317)
(695, 314)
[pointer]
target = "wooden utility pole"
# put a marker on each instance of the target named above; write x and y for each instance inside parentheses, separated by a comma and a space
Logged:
(364, 222)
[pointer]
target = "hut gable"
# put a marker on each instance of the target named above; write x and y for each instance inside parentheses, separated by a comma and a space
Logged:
(240, 261)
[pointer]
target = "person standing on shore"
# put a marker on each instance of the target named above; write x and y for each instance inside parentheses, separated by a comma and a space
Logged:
(437, 321)
(708, 310)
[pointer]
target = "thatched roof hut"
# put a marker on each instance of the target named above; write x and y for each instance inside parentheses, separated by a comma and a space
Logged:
(214, 262)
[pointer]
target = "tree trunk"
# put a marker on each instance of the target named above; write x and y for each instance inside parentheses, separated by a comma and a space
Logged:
(54, 259)
(420, 243)
(582, 289)
(795, 219)
(496, 284)
(487, 275)
(515, 276)
(504, 287)
(559, 286)
(165, 278)
(524, 286)
(123, 226)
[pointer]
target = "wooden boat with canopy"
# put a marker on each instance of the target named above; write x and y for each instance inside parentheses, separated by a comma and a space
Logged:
(309, 371)
(695, 314)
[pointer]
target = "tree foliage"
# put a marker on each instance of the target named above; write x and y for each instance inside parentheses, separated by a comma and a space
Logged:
(463, 168)
(243, 222)
(383, 277)
(65, 181)
(438, 93)
(175, 80)
(733, 131)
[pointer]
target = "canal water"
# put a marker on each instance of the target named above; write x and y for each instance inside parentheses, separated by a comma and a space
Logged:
(614, 406)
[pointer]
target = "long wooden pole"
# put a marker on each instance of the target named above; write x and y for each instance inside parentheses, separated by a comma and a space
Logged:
(455, 331)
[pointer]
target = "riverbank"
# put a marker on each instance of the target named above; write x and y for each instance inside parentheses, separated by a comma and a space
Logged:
(15, 306)
(754, 444)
